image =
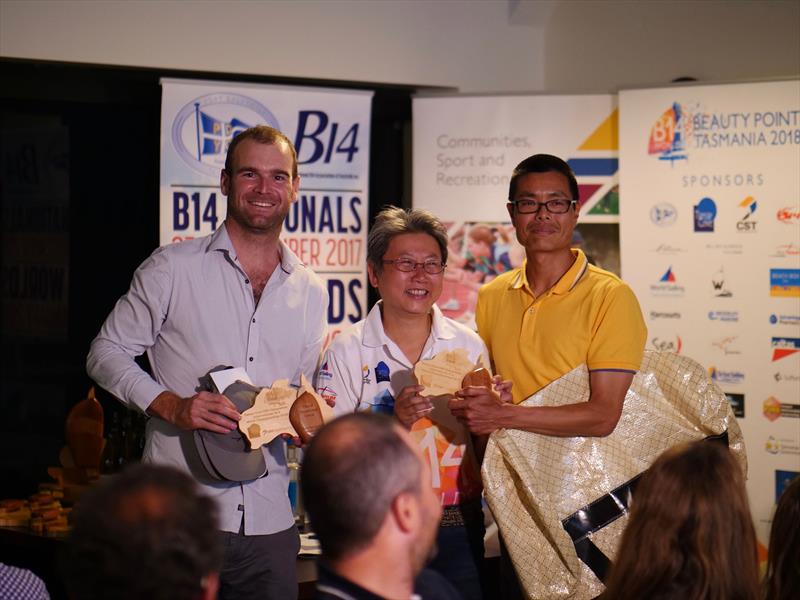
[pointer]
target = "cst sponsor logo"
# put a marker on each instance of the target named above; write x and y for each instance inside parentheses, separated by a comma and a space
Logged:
(784, 283)
(784, 346)
(747, 224)
(726, 377)
(782, 377)
(720, 290)
(773, 409)
(790, 215)
(705, 212)
(727, 345)
(203, 129)
(667, 285)
(775, 445)
(663, 344)
(668, 250)
(655, 315)
(737, 404)
(663, 214)
(784, 320)
(726, 316)
(786, 251)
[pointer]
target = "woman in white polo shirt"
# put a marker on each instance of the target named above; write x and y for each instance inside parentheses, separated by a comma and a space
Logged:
(370, 367)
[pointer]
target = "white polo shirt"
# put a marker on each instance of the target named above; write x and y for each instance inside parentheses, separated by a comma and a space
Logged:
(363, 369)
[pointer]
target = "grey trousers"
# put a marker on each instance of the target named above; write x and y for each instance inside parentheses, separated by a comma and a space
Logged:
(259, 566)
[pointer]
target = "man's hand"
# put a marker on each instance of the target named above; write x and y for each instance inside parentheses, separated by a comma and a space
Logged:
(479, 408)
(409, 406)
(503, 388)
(205, 410)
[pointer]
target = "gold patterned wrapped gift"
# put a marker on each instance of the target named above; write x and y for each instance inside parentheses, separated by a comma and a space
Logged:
(561, 503)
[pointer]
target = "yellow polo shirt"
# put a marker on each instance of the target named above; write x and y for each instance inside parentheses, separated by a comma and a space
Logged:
(589, 316)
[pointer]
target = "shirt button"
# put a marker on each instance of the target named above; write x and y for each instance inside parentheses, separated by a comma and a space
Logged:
(254, 320)
(251, 359)
(247, 281)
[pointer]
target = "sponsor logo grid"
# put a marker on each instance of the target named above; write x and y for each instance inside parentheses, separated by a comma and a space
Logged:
(719, 224)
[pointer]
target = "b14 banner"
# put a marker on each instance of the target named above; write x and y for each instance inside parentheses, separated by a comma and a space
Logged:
(330, 129)
(710, 243)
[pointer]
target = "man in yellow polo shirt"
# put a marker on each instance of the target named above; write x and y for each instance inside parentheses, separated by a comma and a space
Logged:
(553, 314)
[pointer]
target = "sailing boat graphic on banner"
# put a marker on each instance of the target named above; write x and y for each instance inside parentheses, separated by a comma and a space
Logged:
(667, 135)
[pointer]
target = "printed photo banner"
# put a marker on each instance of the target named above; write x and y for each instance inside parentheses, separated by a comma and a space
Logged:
(327, 226)
(465, 148)
(710, 243)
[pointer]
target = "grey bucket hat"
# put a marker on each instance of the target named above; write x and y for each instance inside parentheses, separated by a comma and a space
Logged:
(227, 456)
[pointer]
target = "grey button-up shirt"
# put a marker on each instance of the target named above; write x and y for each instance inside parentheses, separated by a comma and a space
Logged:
(191, 308)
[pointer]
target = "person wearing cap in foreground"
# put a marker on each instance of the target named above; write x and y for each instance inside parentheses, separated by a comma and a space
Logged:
(551, 315)
(145, 533)
(238, 297)
(376, 519)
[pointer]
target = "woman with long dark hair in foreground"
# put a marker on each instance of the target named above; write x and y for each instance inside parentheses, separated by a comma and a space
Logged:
(690, 534)
(782, 581)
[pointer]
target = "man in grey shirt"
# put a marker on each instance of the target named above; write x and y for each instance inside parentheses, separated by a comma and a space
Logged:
(237, 297)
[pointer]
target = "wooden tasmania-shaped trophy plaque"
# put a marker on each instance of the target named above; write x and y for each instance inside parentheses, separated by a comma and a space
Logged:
(448, 372)
(281, 409)
(445, 374)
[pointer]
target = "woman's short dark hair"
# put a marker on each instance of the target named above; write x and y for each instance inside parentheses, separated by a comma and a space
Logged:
(393, 221)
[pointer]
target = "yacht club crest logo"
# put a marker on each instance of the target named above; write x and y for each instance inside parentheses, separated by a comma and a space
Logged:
(203, 129)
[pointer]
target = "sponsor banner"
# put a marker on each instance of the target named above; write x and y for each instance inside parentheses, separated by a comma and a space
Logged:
(330, 129)
(708, 197)
(465, 148)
